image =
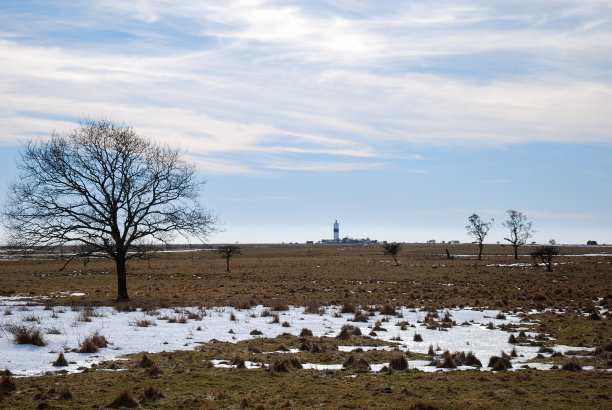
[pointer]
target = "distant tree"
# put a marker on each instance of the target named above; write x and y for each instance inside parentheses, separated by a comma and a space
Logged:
(478, 230)
(520, 230)
(106, 189)
(591, 243)
(546, 254)
(227, 252)
(392, 248)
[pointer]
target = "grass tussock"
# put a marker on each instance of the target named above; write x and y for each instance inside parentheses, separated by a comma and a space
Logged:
(572, 365)
(27, 336)
(347, 331)
(124, 400)
(356, 364)
(306, 332)
(151, 394)
(93, 343)
(388, 309)
(287, 364)
(399, 362)
(146, 361)
(65, 393)
(7, 384)
(499, 364)
(60, 361)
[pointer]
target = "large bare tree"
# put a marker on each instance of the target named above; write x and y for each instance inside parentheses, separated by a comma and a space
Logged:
(106, 189)
(520, 230)
(478, 230)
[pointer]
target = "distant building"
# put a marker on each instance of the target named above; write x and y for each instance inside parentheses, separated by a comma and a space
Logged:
(346, 239)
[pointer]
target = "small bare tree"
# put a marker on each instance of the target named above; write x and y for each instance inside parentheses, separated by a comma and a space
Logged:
(478, 230)
(546, 254)
(392, 248)
(227, 252)
(106, 189)
(520, 230)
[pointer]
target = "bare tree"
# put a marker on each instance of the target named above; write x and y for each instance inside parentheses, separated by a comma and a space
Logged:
(107, 189)
(520, 230)
(392, 248)
(227, 252)
(546, 254)
(478, 230)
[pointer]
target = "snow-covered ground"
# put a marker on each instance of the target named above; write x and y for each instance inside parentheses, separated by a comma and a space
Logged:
(64, 330)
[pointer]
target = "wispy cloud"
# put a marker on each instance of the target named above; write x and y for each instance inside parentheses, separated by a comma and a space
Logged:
(291, 82)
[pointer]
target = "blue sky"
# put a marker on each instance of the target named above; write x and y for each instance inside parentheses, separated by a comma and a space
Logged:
(397, 118)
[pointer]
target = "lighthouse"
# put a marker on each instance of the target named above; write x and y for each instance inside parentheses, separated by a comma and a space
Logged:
(336, 231)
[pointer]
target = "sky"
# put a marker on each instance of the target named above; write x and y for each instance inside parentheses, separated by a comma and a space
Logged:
(399, 119)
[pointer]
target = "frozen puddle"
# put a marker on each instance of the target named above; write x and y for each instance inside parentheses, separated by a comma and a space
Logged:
(64, 329)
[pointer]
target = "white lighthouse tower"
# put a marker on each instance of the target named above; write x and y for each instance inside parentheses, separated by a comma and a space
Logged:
(336, 231)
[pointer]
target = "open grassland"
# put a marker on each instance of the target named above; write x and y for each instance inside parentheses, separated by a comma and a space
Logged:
(312, 276)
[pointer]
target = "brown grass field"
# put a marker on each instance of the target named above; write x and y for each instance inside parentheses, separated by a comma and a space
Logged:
(275, 275)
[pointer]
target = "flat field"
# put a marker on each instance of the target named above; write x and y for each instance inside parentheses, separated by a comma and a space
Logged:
(570, 304)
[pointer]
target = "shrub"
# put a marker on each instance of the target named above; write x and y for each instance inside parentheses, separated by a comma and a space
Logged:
(124, 399)
(61, 361)
(27, 336)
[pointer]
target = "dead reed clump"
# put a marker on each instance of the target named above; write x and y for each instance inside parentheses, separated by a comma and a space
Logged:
(499, 364)
(279, 305)
(287, 364)
(422, 405)
(399, 362)
(360, 317)
(238, 362)
(153, 370)
(430, 352)
(359, 365)
(146, 361)
(573, 365)
(447, 361)
(388, 309)
(92, 343)
(7, 384)
(124, 400)
(348, 307)
(305, 346)
(286, 324)
(65, 394)
(306, 332)
(151, 394)
(61, 360)
(256, 332)
(417, 337)
(347, 331)
(27, 336)
(314, 307)
(471, 360)
(512, 339)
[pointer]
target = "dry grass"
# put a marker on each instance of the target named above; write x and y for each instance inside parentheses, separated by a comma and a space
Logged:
(60, 361)
(92, 343)
(27, 336)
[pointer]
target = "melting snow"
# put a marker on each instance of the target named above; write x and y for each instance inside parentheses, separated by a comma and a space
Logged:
(125, 336)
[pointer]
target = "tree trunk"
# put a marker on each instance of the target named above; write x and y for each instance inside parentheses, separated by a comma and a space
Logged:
(122, 293)
(516, 252)
(227, 265)
(479, 251)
